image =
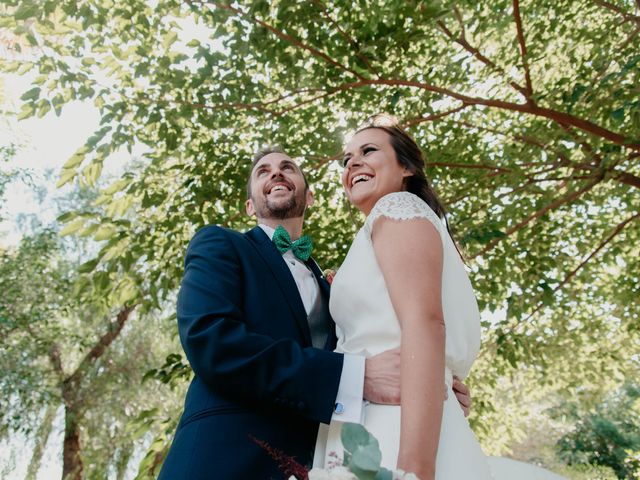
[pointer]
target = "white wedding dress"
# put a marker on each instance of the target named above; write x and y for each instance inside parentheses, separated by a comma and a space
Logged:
(366, 324)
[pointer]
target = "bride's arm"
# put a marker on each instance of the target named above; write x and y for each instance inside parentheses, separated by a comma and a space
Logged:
(410, 257)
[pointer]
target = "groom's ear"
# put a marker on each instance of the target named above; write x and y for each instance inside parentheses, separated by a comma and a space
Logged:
(309, 198)
(248, 206)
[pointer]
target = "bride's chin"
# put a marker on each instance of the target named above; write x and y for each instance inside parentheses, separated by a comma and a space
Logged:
(353, 199)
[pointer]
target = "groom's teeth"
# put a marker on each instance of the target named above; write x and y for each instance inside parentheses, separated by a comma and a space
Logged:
(278, 187)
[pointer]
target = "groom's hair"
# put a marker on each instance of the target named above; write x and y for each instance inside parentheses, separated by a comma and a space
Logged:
(259, 155)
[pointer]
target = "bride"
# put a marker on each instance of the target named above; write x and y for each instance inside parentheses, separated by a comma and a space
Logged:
(403, 282)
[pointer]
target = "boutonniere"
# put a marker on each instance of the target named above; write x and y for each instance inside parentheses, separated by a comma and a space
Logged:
(328, 275)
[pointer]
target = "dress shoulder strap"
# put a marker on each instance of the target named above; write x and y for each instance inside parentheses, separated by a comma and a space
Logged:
(402, 206)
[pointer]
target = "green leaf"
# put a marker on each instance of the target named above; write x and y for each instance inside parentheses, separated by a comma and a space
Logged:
(26, 111)
(104, 232)
(92, 172)
(44, 107)
(394, 99)
(116, 186)
(26, 10)
(618, 115)
(72, 227)
(65, 217)
(32, 94)
(354, 435)
(89, 266)
(366, 459)
(365, 456)
(76, 159)
(66, 176)
(89, 230)
(384, 474)
(169, 39)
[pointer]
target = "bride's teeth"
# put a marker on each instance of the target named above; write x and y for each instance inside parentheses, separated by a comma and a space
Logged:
(360, 177)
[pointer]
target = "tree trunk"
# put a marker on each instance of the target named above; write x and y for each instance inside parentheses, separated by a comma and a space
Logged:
(41, 441)
(122, 460)
(71, 461)
(71, 394)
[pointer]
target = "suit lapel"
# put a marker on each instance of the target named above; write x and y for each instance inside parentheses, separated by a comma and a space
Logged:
(284, 279)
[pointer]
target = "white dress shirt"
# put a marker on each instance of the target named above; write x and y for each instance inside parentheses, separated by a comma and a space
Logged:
(350, 391)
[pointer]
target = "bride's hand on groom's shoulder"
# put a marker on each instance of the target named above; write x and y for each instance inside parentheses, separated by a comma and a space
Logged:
(382, 378)
(463, 394)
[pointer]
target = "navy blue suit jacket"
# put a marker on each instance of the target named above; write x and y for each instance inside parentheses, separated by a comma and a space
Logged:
(244, 330)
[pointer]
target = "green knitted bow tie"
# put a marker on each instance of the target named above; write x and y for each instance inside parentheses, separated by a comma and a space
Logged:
(301, 248)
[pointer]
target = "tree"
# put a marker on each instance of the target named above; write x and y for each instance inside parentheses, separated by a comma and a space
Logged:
(64, 346)
(7, 174)
(607, 436)
(528, 113)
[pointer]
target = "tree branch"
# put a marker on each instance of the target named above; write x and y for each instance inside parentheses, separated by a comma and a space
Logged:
(56, 360)
(222, 106)
(347, 37)
(472, 166)
(431, 118)
(53, 353)
(101, 345)
(554, 115)
(462, 41)
(630, 37)
(307, 101)
(610, 6)
(280, 34)
(523, 49)
(570, 197)
(626, 178)
(573, 272)
(529, 108)
(291, 94)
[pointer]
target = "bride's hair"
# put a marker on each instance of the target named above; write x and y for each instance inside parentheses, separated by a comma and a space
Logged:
(409, 156)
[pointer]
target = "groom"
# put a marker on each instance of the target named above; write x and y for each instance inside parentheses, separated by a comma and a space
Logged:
(254, 323)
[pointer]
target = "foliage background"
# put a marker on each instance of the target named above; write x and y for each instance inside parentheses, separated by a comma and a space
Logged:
(528, 114)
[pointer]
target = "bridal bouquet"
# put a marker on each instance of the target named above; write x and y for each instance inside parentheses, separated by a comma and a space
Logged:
(361, 461)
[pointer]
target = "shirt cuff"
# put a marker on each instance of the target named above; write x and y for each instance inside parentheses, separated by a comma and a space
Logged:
(348, 406)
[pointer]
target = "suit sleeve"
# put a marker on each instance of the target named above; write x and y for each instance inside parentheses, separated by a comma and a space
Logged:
(235, 362)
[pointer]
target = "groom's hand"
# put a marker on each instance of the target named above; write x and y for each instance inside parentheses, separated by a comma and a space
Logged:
(463, 395)
(382, 378)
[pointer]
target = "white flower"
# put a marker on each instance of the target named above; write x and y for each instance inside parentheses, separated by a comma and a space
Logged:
(318, 474)
(410, 476)
(402, 475)
(342, 473)
(335, 473)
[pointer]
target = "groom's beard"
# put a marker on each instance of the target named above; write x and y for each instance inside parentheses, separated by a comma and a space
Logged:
(281, 210)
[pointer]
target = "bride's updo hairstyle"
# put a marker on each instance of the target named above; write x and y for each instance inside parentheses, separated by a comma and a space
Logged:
(409, 156)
